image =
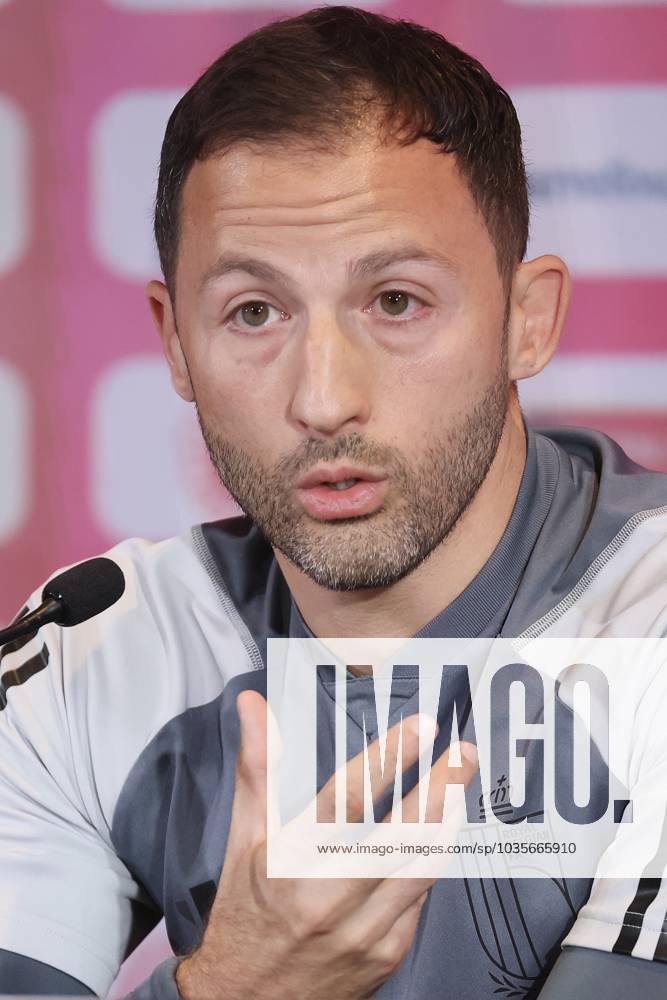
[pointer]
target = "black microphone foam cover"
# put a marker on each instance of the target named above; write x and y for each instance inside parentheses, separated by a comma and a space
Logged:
(86, 590)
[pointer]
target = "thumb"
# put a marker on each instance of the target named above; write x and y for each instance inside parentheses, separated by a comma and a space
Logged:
(251, 761)
(249, 809)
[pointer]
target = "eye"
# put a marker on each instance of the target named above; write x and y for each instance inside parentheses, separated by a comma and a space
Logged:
(394, 301)
(253, 314)
(397, 303)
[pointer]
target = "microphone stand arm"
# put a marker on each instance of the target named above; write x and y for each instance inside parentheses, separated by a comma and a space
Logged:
(49, 611)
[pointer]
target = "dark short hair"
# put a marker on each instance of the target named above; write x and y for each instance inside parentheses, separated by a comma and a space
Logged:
(307, 79)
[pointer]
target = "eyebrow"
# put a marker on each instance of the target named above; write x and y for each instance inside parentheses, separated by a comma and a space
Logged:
(363, 267)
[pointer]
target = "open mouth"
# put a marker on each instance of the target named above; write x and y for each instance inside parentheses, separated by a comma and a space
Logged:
(343, 484)
(343, 498)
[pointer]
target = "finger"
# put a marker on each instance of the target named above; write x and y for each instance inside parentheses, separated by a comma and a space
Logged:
(304, 843)
(401, 741)
(395, 933)
(249, 811)
(445, 772)
(443, 820)
(386, 937)
(252, 712)
(394, 895)
(391, 897)
(424, 847)
(425, 802)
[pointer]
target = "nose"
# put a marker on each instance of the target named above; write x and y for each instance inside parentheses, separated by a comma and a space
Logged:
(331, 380)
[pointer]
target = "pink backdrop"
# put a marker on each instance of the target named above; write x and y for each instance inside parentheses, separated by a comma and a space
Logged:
(93, 445)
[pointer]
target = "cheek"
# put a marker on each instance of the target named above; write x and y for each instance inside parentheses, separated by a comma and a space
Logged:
(244, 409)
(435, 389)
(423, 402)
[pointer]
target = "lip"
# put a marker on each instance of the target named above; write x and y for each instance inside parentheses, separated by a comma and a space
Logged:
(328, 474)
(326, 504)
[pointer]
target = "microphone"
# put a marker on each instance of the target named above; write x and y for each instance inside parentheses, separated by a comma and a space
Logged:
(72, 597)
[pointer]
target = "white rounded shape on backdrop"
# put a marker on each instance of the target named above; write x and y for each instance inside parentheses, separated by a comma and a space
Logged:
(151, 475)
(15, 457)
(597, 161)
(13, 184)
(125, 144)
(616, 383)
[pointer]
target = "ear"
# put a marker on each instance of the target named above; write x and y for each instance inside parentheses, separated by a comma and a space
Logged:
(163, 317)
(539, 301)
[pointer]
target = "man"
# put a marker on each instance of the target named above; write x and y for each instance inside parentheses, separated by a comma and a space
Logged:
(342, 217)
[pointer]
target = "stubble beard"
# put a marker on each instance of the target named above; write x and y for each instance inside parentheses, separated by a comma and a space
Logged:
(424, 502)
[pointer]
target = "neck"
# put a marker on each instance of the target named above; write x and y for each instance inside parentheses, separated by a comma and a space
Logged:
(405, 607)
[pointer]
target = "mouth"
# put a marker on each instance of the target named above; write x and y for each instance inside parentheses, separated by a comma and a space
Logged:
(340, 478)
(345, 492)
(342, 484)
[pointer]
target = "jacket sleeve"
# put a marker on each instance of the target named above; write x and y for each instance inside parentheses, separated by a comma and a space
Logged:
(66, 900)
(20, 975)
(617, 946)
(586, 973)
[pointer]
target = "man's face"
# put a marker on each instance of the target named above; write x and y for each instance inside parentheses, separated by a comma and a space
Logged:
(357, 358)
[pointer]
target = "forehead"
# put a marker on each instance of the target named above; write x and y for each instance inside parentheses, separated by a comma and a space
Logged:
(290, 198)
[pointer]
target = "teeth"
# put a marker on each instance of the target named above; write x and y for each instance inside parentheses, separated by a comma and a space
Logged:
(344, 484)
